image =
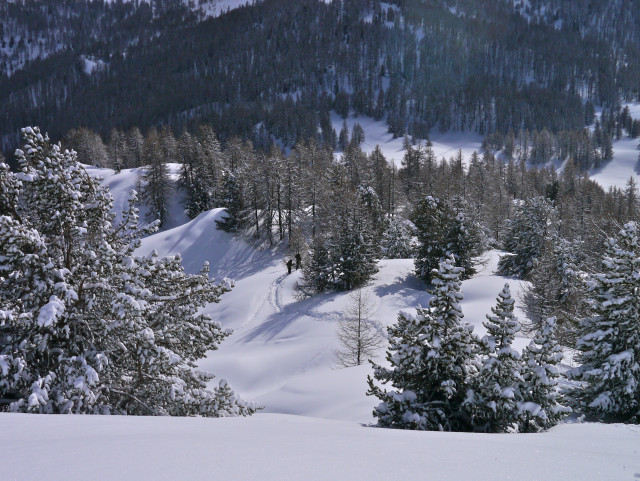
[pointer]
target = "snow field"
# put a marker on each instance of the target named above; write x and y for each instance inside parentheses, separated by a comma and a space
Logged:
(281, 447)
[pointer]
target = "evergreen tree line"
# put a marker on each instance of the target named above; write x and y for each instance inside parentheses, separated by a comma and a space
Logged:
(587, 149)
(442, 377)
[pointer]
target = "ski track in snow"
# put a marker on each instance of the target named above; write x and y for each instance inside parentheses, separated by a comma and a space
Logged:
(275, 293)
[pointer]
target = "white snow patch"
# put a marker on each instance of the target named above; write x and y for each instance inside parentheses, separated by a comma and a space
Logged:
(281, 447)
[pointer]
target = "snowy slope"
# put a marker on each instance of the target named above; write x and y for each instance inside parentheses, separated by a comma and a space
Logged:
(122, 183)
(279, 447)
(376, 133)
(281, 354)
(625, 162)
(282, 351)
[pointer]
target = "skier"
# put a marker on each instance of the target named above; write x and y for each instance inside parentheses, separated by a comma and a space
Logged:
(298, 261)
(289, 265)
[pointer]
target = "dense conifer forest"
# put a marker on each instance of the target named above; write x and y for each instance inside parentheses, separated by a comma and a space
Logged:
(494, 67)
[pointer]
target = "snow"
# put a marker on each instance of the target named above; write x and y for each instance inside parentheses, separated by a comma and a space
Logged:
(281, 354)
(282, 447)
(625, 162)
(91, 64)
(282, 351)
(445, 144)
(122, 183)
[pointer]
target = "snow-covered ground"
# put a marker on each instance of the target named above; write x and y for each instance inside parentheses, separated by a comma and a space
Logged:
(280, 447)
(282, 351)
(376, 133)
(122, 183)
(316, 419)
(625, 161)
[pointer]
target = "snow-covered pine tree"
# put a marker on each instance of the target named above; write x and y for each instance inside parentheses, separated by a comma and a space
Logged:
(430, 218)
(463, 241)
(540, 406)
(233, 201)
(525, 237)
(318, 271)
(353, 253)
(345, 257)
(431, 360)
(493, 399)
(396, 241)
(610, 339)
(87, 326)
(557, 287)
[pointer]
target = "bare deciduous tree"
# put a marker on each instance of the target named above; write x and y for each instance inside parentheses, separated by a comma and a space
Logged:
(358, 333)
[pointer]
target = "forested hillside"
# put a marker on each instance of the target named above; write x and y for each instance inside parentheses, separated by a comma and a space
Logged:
(276, 69)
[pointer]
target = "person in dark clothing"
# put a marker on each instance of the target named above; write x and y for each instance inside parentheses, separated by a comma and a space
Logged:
(298, 261)
(289, 266)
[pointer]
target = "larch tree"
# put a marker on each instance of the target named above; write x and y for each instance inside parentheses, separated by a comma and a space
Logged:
(358, 333)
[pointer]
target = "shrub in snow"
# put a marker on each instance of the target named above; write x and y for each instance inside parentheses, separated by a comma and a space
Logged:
(610, 339)
(86, 326)
(431, 358)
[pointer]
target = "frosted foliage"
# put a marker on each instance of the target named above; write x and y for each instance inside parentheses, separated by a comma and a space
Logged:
(430, 356)
(525, 237)
(396, 241)
(86, 326)
(495, 392)
(610, 339)
(541, 406)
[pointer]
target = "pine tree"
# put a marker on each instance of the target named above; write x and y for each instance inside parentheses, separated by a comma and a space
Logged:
(463, 241)
(557, 286)
(233, 200)
(154, 182)
(540, 407)
(317, 273)
(431, 220)
(431, 360)
(525, 237)
(495, 394)
(610, 339)
(396, 241)
(86, 326)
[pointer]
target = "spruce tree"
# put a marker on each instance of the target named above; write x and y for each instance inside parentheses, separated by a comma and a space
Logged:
(540, 406)
(430, 218)
(609, 343)
(396, 241)
(431, 360)
(495, 394)
(525, 237)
